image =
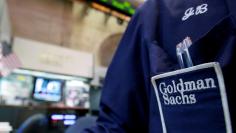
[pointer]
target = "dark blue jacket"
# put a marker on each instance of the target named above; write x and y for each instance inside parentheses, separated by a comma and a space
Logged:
(148, 47)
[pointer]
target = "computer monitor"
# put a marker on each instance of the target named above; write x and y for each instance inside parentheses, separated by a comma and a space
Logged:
(49, 90)
(77, 94)
(65, 119)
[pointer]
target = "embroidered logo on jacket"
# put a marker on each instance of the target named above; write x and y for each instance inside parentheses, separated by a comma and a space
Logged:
(182, 92)
(201, 9)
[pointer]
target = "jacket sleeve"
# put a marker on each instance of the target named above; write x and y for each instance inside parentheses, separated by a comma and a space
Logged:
(124, 104)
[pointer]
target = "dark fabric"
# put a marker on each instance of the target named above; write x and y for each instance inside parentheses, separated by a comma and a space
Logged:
(81, 124)
(128, 101)
(34, 124)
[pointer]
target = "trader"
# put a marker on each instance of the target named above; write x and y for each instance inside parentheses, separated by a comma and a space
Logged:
(148, 48)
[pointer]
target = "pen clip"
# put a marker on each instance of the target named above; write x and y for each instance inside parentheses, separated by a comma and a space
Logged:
(183, 55)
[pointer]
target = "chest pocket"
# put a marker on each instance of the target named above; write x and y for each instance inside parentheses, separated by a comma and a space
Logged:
(219, 45)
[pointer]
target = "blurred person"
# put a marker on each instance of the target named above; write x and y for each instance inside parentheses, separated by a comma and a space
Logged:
(148, 48)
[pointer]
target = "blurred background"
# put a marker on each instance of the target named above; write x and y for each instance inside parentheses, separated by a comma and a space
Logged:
(53, 59)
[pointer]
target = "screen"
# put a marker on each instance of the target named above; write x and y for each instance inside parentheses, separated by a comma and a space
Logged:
(16, 89)
(62, 119)
(120, 5)
(77, 94)
(48, 89)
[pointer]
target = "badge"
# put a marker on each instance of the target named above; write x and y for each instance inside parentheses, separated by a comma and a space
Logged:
(193, 99)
